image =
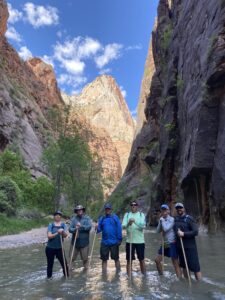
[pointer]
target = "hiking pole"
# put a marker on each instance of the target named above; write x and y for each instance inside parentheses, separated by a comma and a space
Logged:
(185, 260)
(63, 253)
(131, 239)
(92, 249)
(162, 252)
(74, 243)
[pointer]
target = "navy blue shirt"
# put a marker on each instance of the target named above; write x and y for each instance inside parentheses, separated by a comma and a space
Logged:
(111, 229)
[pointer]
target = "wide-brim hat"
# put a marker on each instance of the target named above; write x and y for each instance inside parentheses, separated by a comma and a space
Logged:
(79, 207)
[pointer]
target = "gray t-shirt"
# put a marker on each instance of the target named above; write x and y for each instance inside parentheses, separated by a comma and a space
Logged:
(166, 226)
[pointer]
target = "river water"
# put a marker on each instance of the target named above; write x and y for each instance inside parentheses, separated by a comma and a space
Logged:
(23, 275)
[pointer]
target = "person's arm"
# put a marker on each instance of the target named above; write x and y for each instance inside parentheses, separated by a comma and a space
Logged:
(99, 229)
(140, 222)
(119, 230)
(159, 227)
(125, 221)
(51, 235)
(167, 225)
(194, 229)
(72, 227)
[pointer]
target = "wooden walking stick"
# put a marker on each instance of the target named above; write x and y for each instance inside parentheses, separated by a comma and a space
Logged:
(63, 253)
(74, 243)
(185, 260)
(162, 251)
(92, 249)
(131, 239)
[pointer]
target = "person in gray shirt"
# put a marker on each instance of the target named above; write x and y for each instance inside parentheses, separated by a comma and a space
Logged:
(165, 226)
(81, 223)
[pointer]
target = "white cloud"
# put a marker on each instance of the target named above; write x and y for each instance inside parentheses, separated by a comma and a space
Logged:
(105, 71)
(14, 14)
(70, 80)
(73, 66)
(111, 52)
(134, 47)
(123, 91)
(48, 60)
(88, 47)
(78, 48)
(25, 53)
(38, 15)
(12, 34)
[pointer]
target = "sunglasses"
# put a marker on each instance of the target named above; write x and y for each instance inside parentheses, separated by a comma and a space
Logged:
(133, 205)
(179, 207)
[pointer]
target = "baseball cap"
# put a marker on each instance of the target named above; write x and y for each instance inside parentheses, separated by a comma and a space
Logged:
(57, 212)
(134, 203)
(108, 205)
(179, 205)
(164, 206)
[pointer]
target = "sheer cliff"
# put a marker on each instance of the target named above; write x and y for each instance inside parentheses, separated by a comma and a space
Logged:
(178, 152)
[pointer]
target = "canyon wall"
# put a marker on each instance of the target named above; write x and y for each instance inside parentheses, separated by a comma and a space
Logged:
(178, 154)
(24, 102)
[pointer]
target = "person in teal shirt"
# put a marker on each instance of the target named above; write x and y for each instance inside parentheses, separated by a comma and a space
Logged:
(54, 247)
(134, 223)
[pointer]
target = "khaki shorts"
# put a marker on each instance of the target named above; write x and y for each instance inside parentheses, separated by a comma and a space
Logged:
(83, 253)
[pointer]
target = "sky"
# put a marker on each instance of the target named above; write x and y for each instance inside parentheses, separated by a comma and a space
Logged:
(84, 39)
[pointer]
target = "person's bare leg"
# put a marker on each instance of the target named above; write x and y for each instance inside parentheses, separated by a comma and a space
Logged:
(117, 265)
(158, 262)
(142, 266)
(104, 266)
(85, 264)
(129, 268)
(198, 275)
(175, 263)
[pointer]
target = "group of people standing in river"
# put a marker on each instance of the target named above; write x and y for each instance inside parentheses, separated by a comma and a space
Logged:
(178, 239)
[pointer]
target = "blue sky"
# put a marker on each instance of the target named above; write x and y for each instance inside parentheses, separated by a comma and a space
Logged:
(86, 38)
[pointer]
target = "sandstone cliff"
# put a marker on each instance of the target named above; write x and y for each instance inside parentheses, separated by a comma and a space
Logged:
(179, 152)
(24, 100)
(103, 106)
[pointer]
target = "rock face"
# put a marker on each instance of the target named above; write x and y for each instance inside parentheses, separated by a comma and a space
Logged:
(24, 100)
(180, 149)
(104, 107)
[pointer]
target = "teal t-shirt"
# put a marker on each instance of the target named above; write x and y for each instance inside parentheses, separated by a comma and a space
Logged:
(55, 242)
(135, 232)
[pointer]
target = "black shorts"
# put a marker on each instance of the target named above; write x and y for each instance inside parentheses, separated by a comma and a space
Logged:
(105, 250)
(192, 259)
(139, 249)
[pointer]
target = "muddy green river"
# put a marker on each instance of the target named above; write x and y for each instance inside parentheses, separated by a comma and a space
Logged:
(23, 275)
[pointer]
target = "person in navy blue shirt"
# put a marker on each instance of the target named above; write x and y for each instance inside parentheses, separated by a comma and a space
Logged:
(54, 247)
(110, 227)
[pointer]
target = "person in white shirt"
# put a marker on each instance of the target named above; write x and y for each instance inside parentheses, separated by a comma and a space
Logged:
(166, 225)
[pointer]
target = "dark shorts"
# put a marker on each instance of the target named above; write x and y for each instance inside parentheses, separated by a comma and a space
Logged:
(139, 249)
(192, 259)
(105, 250)
(169, 250)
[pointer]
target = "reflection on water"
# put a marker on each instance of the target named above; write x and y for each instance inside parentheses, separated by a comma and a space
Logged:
(23, 276)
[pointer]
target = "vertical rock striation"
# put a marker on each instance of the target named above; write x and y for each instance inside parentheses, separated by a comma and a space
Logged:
(181, 143)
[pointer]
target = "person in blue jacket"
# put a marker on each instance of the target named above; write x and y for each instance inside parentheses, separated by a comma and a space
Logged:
(110, 227)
